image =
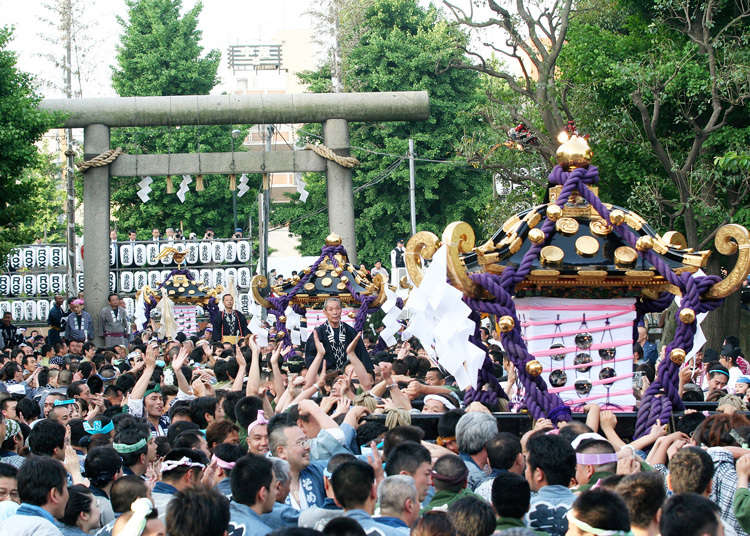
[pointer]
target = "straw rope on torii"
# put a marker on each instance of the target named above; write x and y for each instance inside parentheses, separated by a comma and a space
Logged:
(100, 160)
(328, 154)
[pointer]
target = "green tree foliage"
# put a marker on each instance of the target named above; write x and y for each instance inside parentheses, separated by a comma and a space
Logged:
(672, 76)
(401, 46)
(23, 190)
(160, 54)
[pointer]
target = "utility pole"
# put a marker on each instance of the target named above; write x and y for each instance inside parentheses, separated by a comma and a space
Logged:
(412, 204)
(70, 154)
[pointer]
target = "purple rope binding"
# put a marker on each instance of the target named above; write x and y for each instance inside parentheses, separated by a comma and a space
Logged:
(280, 303)
(662, 396)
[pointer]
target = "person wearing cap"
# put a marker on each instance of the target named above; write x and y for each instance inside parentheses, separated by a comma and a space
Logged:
(237, 233)
(741, 386)
(78, 324)
(450, 478)
(12, 441)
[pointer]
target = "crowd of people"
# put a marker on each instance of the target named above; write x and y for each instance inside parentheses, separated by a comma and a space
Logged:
(212, 434)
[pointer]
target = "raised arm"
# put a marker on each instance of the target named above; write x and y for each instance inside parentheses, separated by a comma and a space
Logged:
(365, 380)
(314, 368)
(253, 377)
(177, 364)
(149, 359)
(242, 367)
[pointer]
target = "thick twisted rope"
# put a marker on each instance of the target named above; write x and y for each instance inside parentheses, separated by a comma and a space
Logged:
(328, 154)
(100, 160)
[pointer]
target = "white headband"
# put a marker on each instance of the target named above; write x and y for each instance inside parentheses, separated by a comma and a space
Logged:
(583, 437)
(182, 462)
(444, 401)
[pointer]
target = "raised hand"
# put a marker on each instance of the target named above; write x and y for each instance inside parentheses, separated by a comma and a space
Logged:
(179, 361)
(319, 345)
(352, 345)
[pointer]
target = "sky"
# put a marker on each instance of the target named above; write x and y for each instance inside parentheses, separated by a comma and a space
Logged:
(223, 23)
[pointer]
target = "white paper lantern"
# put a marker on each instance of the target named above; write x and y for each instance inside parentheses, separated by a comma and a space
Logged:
(166, 259)
(126, 281)
(16, 284)
(29, 285)
(207, 277)
(140, 279)
(230, 252)
(218, 251)
(42, 310)
(29, 311)
(126, 254)
(243, 277)
(80, 282)
(4, 285)
(154, 278)
(42, 284)
(57, 256)
(43, 256)
(14, 259)
(219, 278)
(29, 257)
(243, 251)
(140, 258)
(152, 251)
(192, 253)
(204, 252)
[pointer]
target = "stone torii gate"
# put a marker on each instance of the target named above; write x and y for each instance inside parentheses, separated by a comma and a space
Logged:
(334, 111)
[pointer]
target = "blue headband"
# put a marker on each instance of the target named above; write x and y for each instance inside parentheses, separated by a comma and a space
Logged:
(65, 402)
(97, 428)
(724, 372)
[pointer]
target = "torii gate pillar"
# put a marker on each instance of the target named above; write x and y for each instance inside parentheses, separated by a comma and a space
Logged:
(339, 179)
(96, 225)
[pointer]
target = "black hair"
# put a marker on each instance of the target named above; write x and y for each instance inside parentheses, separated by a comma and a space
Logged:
(102, 465)
(502, 450)
(28, 409)
(448, 421)
(398, 435)
(229, 402)
(78, 436)
(95, 383)
(131, 433)
(715, 369)
(37, 477)
(352, 483)
(602, 509)
(689, 514)
(86, 368)
(407, 457)
(338, 526)
(511, 495)
(454, 472)
(181, 407)
(643, 494)
(369, 431)
(125, 490)
(229, 453)
(46, 436)
(250, 474)
(471, 516)
(199, 407)
(125, 382)
(218, 431)
(177, 428)
(246, 411)
(690, 470)
(554, 456)
(79, 501)
(688, 422)
(8, 471)
(190, 439)
(198, 511)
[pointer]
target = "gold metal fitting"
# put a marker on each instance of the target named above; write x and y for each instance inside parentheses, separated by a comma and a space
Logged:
(536, 236)
(625, 257)
(554, 212)
(587, 246)
(506, 324)
(617, 216)
(644, 243)
(567, 226)
(534, 368)
(333, 240)
(282, 319)
(551, 255)
(677, 356)
(687, 315)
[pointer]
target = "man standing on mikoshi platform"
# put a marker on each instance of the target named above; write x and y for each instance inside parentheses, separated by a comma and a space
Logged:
(229, 325)
(335, 336)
